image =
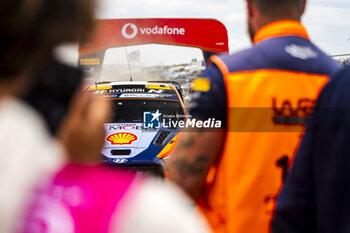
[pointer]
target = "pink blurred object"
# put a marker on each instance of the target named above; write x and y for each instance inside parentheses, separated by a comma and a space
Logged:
(80, 199)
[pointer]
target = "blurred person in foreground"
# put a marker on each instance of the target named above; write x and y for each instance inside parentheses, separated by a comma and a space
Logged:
(315, 197)
(85, 197)
(41, 189)
(29, 31)
(263, 96)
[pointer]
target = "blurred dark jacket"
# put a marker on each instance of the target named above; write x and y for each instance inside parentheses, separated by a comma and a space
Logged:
(316, 196)
(51, 91)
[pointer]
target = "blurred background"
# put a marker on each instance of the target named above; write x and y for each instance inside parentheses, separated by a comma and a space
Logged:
(327, 22)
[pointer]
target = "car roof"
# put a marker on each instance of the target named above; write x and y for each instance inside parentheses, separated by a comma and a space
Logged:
(151, 89)
(167, 91)
(106, 85)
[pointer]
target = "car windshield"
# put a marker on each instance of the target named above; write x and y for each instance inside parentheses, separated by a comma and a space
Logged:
(131, 110)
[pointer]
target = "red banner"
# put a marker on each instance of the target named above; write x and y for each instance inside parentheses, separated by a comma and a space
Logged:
(207, 34)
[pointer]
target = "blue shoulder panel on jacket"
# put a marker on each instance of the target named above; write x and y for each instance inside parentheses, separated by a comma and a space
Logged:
(283, 53)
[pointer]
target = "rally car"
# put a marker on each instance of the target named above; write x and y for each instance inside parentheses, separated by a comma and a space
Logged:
(137, 136)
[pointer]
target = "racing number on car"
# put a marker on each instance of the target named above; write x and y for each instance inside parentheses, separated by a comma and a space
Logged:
(283, 164)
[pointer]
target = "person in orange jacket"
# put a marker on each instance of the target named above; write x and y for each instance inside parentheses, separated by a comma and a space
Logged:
(263, 96)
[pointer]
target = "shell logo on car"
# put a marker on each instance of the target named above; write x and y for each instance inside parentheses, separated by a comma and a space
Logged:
(122, 138)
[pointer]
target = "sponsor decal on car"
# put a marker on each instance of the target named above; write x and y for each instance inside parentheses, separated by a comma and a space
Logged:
(124, 90)
(122, 138)
(155, 91)
(139, 96)
(122, 127)
(128, 90)
(120, 160)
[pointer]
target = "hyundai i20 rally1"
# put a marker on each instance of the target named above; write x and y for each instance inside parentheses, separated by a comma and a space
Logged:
(136, 137)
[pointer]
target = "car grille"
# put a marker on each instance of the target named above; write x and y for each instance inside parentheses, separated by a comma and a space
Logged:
(162, 138)
(152, 170)
(120, 152)
(156, 170)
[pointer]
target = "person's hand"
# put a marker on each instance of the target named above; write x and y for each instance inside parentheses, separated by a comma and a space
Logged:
(82, 133)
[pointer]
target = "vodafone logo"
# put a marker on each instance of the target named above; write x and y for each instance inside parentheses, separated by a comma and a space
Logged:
(125, 31)
(129, 30)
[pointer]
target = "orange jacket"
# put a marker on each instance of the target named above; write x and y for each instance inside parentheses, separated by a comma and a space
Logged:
(270, 91)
